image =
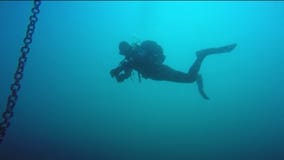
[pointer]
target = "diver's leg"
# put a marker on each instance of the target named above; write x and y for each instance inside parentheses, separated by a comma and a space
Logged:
(194, 69)
(166, 73)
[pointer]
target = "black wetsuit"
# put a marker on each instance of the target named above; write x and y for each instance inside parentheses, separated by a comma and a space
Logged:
(162, 72)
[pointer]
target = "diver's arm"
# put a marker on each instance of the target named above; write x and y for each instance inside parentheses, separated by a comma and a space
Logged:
(122, 65)
(122, 72)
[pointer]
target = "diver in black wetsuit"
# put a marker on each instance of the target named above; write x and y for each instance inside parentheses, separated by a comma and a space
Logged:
(147, 59)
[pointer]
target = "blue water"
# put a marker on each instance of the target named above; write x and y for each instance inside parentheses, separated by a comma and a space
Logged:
(70, 108)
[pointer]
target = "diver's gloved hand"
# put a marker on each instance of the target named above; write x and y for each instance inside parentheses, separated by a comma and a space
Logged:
(119, 78)
(114, 72)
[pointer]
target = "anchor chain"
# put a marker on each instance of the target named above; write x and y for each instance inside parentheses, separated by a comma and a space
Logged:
(18, 75)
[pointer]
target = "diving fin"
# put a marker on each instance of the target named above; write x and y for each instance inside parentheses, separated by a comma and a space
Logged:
(205, 52)
(199, 83)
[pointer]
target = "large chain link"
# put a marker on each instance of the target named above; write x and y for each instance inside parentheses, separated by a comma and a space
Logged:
(15, 87)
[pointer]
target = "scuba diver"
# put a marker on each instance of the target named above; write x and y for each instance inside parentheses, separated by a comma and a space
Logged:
(147, 59)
